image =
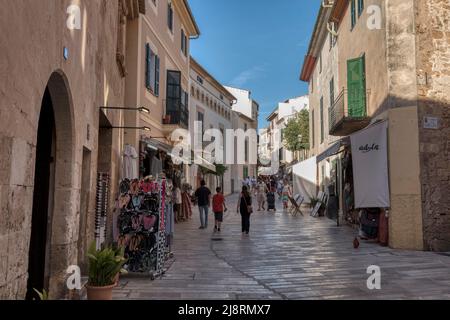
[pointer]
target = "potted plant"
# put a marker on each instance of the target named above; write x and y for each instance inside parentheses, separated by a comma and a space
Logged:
(104, 267)
(120, 252)
(42, 295)
(313, 202)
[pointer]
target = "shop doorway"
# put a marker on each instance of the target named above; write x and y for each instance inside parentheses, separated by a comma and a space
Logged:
(52, 185)
(43, 191)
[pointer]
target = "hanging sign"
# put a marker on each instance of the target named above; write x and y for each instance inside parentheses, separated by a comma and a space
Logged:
(370, 167)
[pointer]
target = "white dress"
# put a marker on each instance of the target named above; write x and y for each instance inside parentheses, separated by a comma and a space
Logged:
(130, 163)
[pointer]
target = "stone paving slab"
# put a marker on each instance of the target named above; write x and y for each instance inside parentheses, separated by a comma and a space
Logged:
(287, 257)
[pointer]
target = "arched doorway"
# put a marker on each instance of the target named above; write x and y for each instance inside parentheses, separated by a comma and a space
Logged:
(53, 167)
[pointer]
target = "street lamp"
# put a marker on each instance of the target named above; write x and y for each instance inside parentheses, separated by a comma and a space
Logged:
(140, 109)
(132, 128)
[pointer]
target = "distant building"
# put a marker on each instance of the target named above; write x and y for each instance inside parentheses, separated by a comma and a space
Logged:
(278, 121)
(211, 104)
(245, 117)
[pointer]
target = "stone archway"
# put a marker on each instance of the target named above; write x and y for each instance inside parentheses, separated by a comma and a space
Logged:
(53, 237)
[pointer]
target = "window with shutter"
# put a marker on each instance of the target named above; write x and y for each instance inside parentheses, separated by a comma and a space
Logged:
(356, 87)
(170, 17)
(183, 42)
(353, 13)
(147, 66)
(360, 7)
(313, 129)
(332, 92)
(157, 75)
(322, 128)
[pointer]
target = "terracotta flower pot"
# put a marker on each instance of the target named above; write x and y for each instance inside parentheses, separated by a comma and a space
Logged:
(100, 293)
(116, 279)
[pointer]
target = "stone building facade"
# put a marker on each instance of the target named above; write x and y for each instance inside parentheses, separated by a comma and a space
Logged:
(432, 25)
(59, 65)
(404, 49)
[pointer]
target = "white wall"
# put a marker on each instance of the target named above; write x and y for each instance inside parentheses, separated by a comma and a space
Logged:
(244, 102)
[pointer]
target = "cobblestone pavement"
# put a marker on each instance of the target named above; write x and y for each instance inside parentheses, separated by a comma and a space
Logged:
(287, 257)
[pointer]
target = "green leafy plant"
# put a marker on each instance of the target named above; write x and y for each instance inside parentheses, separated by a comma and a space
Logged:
(296, 133)
(42, 295)
(104, 265)
(313, 202)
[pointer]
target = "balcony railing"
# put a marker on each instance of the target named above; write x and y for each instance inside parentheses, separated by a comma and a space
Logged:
(176, 114)
(347, 117)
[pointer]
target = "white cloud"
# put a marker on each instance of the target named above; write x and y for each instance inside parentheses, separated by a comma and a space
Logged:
(245, 76)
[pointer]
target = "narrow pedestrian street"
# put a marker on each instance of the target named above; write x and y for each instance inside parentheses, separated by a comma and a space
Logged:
(286, 257)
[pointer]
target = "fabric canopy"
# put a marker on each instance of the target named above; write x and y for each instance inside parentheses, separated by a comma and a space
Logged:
(333, 150)
(370, 167)
(267, 171)
(304, 176)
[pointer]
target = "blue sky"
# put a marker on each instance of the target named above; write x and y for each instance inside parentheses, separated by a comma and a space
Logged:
(258, 45)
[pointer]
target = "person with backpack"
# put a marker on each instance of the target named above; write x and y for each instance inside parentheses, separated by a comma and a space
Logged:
(245, 208)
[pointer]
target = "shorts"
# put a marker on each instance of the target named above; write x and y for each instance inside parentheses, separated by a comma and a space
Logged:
(218, 216)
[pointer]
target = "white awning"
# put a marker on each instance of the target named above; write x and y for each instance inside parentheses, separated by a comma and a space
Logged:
(267, 171)
(304, 178)
(205, 164)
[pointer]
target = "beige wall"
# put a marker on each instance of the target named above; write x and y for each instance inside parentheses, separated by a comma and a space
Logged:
(152, 28)
(391, 84)
(319, 86)
(217, 114)
(29, 54)
(372, 44)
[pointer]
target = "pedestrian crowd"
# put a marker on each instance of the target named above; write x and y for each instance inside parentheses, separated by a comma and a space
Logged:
(263, 189)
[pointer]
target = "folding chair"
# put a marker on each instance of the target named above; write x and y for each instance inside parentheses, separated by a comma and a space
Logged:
(295, 210)
(316, 209)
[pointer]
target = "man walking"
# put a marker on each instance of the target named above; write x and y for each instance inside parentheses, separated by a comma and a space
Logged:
(203, 195)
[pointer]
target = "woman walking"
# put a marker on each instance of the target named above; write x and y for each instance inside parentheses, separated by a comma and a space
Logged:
(245, 208)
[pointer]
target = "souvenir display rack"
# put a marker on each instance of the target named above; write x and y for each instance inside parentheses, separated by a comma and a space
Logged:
(101, 208)
(141, 226)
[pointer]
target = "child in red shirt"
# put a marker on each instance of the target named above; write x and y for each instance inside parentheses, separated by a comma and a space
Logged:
(219, 207)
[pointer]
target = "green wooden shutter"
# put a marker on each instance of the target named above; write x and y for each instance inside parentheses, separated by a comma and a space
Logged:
(147, 65)
(356, 88)
(157, 75)
(360, 7)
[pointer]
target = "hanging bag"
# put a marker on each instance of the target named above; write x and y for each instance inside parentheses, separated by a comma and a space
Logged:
(249, 207)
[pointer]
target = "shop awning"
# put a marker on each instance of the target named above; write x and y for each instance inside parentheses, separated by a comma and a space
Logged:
(267, 171)
(202, 162)
(158, 145)
(334, 149)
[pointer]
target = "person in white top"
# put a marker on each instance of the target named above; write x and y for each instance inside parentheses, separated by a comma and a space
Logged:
(261, 191)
